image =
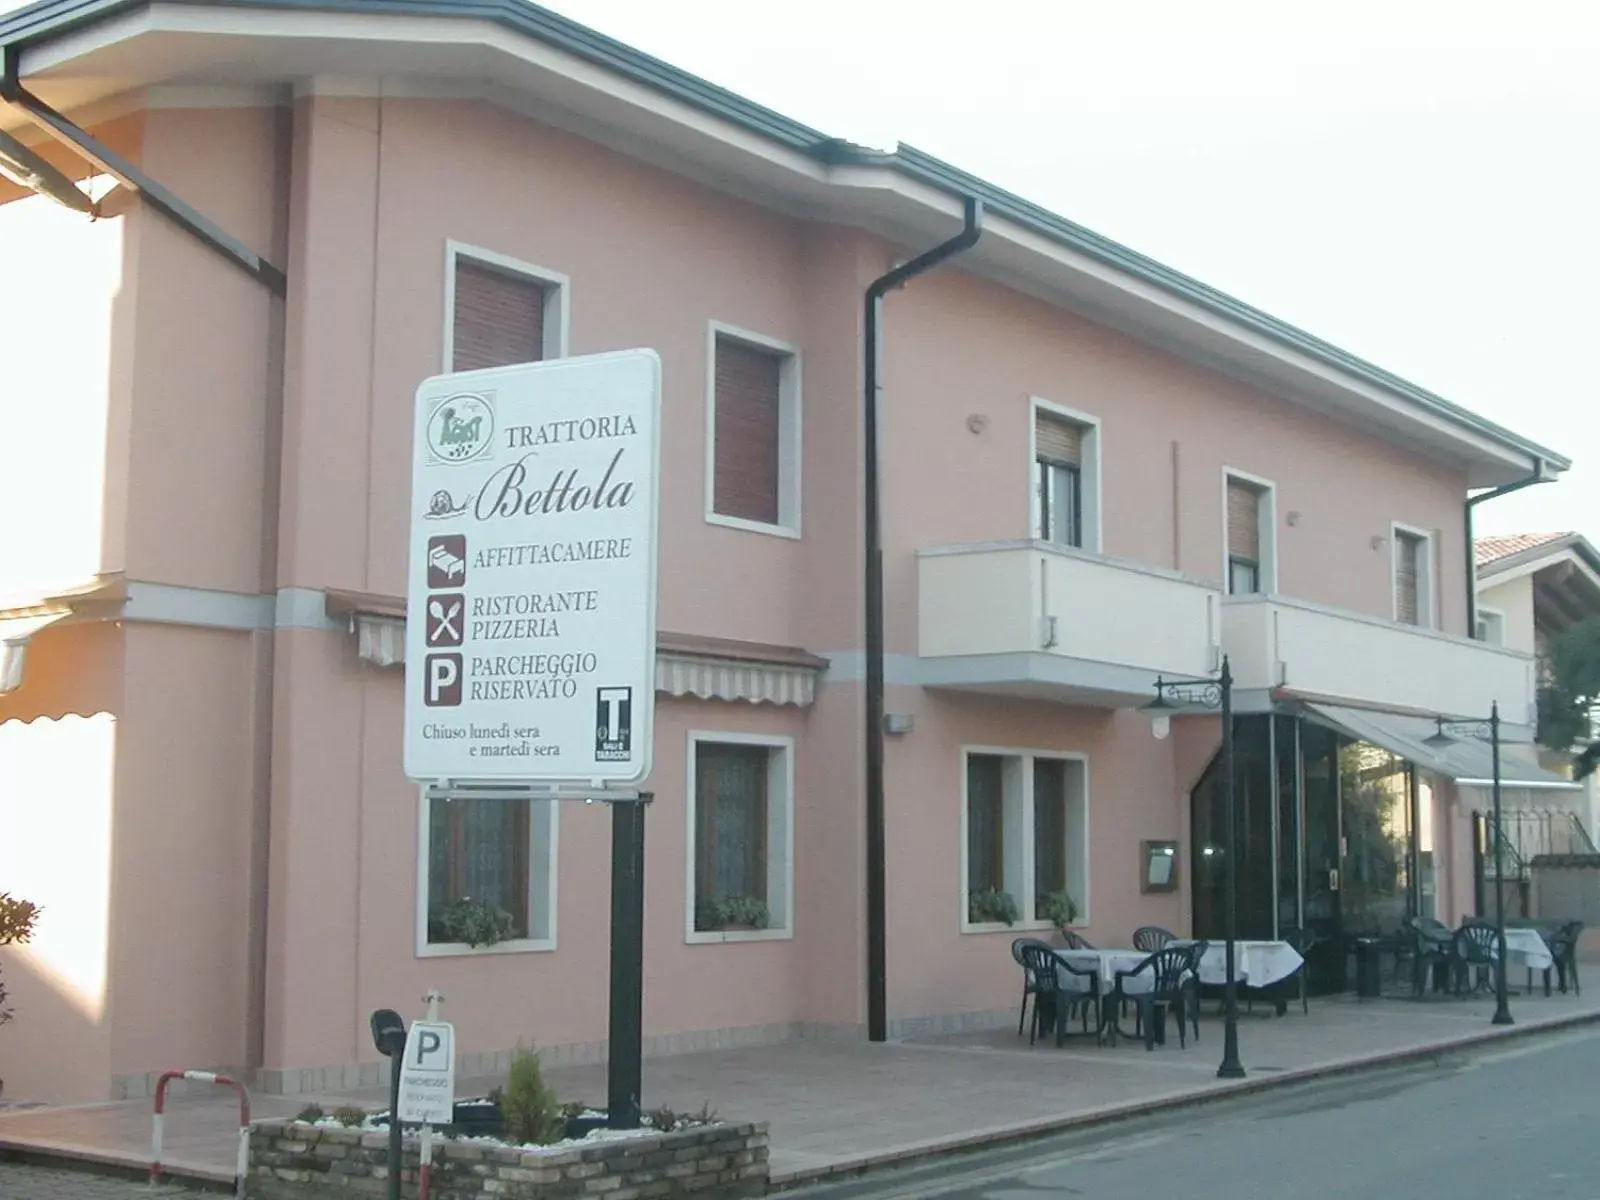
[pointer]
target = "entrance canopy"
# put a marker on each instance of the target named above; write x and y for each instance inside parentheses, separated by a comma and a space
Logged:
(1468, 760)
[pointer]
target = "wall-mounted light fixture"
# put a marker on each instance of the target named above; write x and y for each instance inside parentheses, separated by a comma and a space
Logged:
(977, 423)
(899, 722)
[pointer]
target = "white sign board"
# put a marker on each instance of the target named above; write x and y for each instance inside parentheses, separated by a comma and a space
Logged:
(531, 605)
(428, 1074)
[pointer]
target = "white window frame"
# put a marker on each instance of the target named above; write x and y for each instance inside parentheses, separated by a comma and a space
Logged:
(1497, 619)
(427, 949)
(557, 297)
(780, 837)
(789, 431)
(1267, 533)
(1089, 471)
(1079, 857)
(1427, 575)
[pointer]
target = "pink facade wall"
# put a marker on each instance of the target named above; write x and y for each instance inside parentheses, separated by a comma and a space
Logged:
(358, 198)
(962, 345)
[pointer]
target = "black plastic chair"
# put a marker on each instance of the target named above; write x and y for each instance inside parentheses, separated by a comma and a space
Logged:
(1302, 940)
(1173, 980)
(1563, 945)
(1075, 942)
(1191, 984)
(1151, 938)
(1042, 966)
(1433, 946)
(1027, 980)
(1474, 946)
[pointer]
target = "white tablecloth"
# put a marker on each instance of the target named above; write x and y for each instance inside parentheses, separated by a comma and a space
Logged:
(1525, 948)
(1255, 964)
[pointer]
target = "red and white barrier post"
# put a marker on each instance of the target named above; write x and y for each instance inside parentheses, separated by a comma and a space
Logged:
(242, 1163)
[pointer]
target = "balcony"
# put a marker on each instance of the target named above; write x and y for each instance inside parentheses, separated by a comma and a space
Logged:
(1318, 652)
(1033, 619)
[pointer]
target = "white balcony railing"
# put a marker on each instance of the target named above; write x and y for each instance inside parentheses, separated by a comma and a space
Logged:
(1092, 623)
(1275, 642)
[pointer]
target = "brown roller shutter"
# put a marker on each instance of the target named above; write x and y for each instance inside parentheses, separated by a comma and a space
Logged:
(499, 318)
(1059, 441)
(1244, 521)
(746, 433)
(1405, 579)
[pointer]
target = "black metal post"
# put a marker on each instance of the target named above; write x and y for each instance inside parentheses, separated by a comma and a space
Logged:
(396, 1133)
(1502, 1010)
(625, 1053)
(1231, 1067)
(877, 888)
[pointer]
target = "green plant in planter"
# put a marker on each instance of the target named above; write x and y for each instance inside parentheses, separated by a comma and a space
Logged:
(475, 922)
(1058, 908)
(531, 1110)
(992, 906)
(727, 912)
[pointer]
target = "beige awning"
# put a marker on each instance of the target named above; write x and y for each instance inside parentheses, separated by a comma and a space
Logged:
(1468, 760)
(686, 664)
(15, 634)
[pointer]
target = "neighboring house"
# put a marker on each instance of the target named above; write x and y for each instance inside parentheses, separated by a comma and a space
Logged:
(1096, 472)
(1531, 588)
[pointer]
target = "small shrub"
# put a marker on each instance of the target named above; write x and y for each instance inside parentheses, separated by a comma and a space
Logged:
(992, 905)
(532, 1112)
(17, 918)
(719, 912)
(1058, 908)
(475, 922)
(310, 1113)
(349, 1116)
(663, 1119)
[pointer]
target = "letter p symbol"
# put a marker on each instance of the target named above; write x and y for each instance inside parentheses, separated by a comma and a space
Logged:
(441, 680)
(428, 1043)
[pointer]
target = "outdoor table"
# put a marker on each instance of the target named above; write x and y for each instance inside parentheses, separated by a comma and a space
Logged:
(1256, 964)
(1527, 948)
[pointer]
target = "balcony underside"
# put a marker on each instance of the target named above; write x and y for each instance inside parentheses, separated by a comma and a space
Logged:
(1028, 675)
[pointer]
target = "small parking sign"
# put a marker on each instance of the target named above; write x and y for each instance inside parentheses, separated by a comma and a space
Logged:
(428, 1074)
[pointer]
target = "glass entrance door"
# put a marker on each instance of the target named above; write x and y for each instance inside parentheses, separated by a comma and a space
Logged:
(1323, 911)
(1376, 804)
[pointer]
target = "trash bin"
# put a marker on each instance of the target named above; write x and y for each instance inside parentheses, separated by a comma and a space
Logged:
(1367, 969)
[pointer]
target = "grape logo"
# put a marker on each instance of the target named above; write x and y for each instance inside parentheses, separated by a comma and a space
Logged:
(461, 428)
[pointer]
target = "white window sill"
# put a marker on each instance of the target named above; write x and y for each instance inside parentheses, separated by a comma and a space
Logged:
(704, 937)
(1019, 928)
(783, 531)
(462, 950)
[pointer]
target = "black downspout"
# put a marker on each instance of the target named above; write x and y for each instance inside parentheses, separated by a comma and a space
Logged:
(1472, 558)
(877, 959)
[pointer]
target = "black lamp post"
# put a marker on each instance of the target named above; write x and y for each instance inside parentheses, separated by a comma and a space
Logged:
(1214, 693)
(1489, 729)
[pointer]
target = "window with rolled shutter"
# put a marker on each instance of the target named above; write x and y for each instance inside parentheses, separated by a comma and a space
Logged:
(747, 433)
(1244, 538)
(1407, 559)
(1058, 478)
(499, 318)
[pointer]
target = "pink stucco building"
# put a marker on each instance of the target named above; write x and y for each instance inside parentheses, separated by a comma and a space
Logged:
(1095, 471)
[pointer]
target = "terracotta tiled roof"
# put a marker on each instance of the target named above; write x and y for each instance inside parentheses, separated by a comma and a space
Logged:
(1490, 549)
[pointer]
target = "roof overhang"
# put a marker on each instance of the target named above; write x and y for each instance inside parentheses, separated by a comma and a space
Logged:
(1565, 574)
(79, 54)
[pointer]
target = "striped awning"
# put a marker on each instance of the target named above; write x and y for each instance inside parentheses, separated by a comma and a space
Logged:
(15, 634)
(687, 665)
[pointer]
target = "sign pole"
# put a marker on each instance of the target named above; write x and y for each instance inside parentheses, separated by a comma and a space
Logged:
(625, 1057)
(396, 1133)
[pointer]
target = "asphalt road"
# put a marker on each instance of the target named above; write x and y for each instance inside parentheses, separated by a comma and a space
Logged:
(1521, 1122)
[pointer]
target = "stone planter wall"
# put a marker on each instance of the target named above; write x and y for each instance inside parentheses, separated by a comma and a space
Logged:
(289, 1161)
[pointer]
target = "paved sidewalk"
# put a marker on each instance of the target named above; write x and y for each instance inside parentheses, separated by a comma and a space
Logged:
(838, 1107)
(19, 1182)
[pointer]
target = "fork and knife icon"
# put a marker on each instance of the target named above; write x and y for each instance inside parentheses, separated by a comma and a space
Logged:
(444, 621)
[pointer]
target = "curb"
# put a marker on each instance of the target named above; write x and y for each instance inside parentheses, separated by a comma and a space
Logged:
(998, 1136)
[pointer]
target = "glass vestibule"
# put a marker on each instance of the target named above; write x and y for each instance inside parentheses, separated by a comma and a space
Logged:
(1335, 836)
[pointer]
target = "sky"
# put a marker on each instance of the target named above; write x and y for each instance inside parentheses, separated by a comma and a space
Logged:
(1417, 181)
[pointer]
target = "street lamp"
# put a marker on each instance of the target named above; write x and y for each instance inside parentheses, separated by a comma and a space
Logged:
(1438, 740)
(1214, 693)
